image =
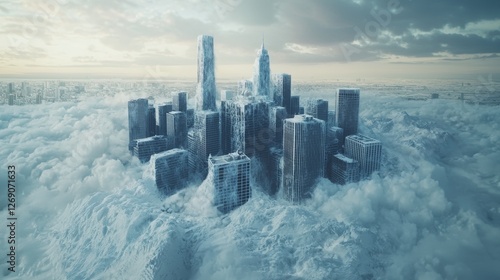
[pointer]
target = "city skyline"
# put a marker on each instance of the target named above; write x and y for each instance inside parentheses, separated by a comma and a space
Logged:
(310, 40)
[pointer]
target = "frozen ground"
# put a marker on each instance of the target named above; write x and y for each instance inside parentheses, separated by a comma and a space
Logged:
(86, 211)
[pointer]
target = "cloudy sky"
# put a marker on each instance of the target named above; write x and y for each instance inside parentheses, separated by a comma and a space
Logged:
(320, 39)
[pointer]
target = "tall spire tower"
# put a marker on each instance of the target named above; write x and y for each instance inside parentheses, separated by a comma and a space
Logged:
(205, 92)
(262, 72)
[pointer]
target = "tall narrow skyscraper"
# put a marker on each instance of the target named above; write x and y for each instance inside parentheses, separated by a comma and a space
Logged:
(161, 118)
(317, 108)
(137, 120)
(262, 73)
(347, 110)
(177, 128)
(282, 90)
(179, 101)
(303, 156)
(206, 92)
(205, 139)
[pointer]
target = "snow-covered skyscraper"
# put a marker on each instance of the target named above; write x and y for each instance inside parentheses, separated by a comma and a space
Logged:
(277, 116)
(347, 110)
(303, 155)
(161, 118)
(230, 176)
(206, 92)
(177, 128)
(262, 73)
(137, 120)
(170, 170)
(151, 125)
(244, 126)
(317, 108)
(367, 151)
(282, 90)
(179, 101)
(294, 106)
(205, 139)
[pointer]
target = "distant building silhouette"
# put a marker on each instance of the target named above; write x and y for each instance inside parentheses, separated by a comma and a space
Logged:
(227, 95)
(245, 88)
(277, 116)
(151, 124)
(303, 156)
(367, 151)
(333, 146)
(230, 176)
(347, 110)
(294, 106)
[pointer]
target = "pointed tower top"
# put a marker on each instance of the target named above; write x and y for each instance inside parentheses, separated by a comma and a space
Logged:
(262, 42)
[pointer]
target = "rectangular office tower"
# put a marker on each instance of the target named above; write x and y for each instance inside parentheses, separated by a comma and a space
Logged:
(303, 156)
(179, 101)
(146, 147)
(151, 126)
(245, 126)
(205, 92)
(230, 176)
(205, 139)
(171, 170)
(347, 110)
(333, 146)
(282, 90)
(294, 106)
(177, 129)
(366, 150)
(12, 99)
(317, 108)
(277, 116)
(161, 118)
(227, 95)
(137, 120)
(331, 118)
(344, 170)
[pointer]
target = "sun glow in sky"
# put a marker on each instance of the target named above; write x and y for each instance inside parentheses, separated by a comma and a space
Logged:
(323, 40)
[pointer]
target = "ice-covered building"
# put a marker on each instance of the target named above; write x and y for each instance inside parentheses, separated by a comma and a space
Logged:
(282, 90)
(151, 125)
(12, 99)
(303, 155)
(137, 120)
(146, 147)
(333, 146)
(245, 126)
(177, 128)
(347, 110)
(277, 116)
(317, 108)
(294, 106)
(245, 88)
(230, 176)
(367, 151)
(344, 170)
(227, 95)
(171, 170)
(275, 170)
(262, 73)
(161, 118)
(205, 139)
(331, 118)
(206, 91)
(179, 101)
(190, 118)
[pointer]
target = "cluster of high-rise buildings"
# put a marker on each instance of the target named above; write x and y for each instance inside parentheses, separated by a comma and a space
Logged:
(295, 145)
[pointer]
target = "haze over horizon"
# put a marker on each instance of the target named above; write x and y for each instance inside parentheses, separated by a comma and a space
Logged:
(315, 40)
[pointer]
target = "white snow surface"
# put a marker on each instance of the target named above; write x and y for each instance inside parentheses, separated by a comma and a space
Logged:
(88, 210)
